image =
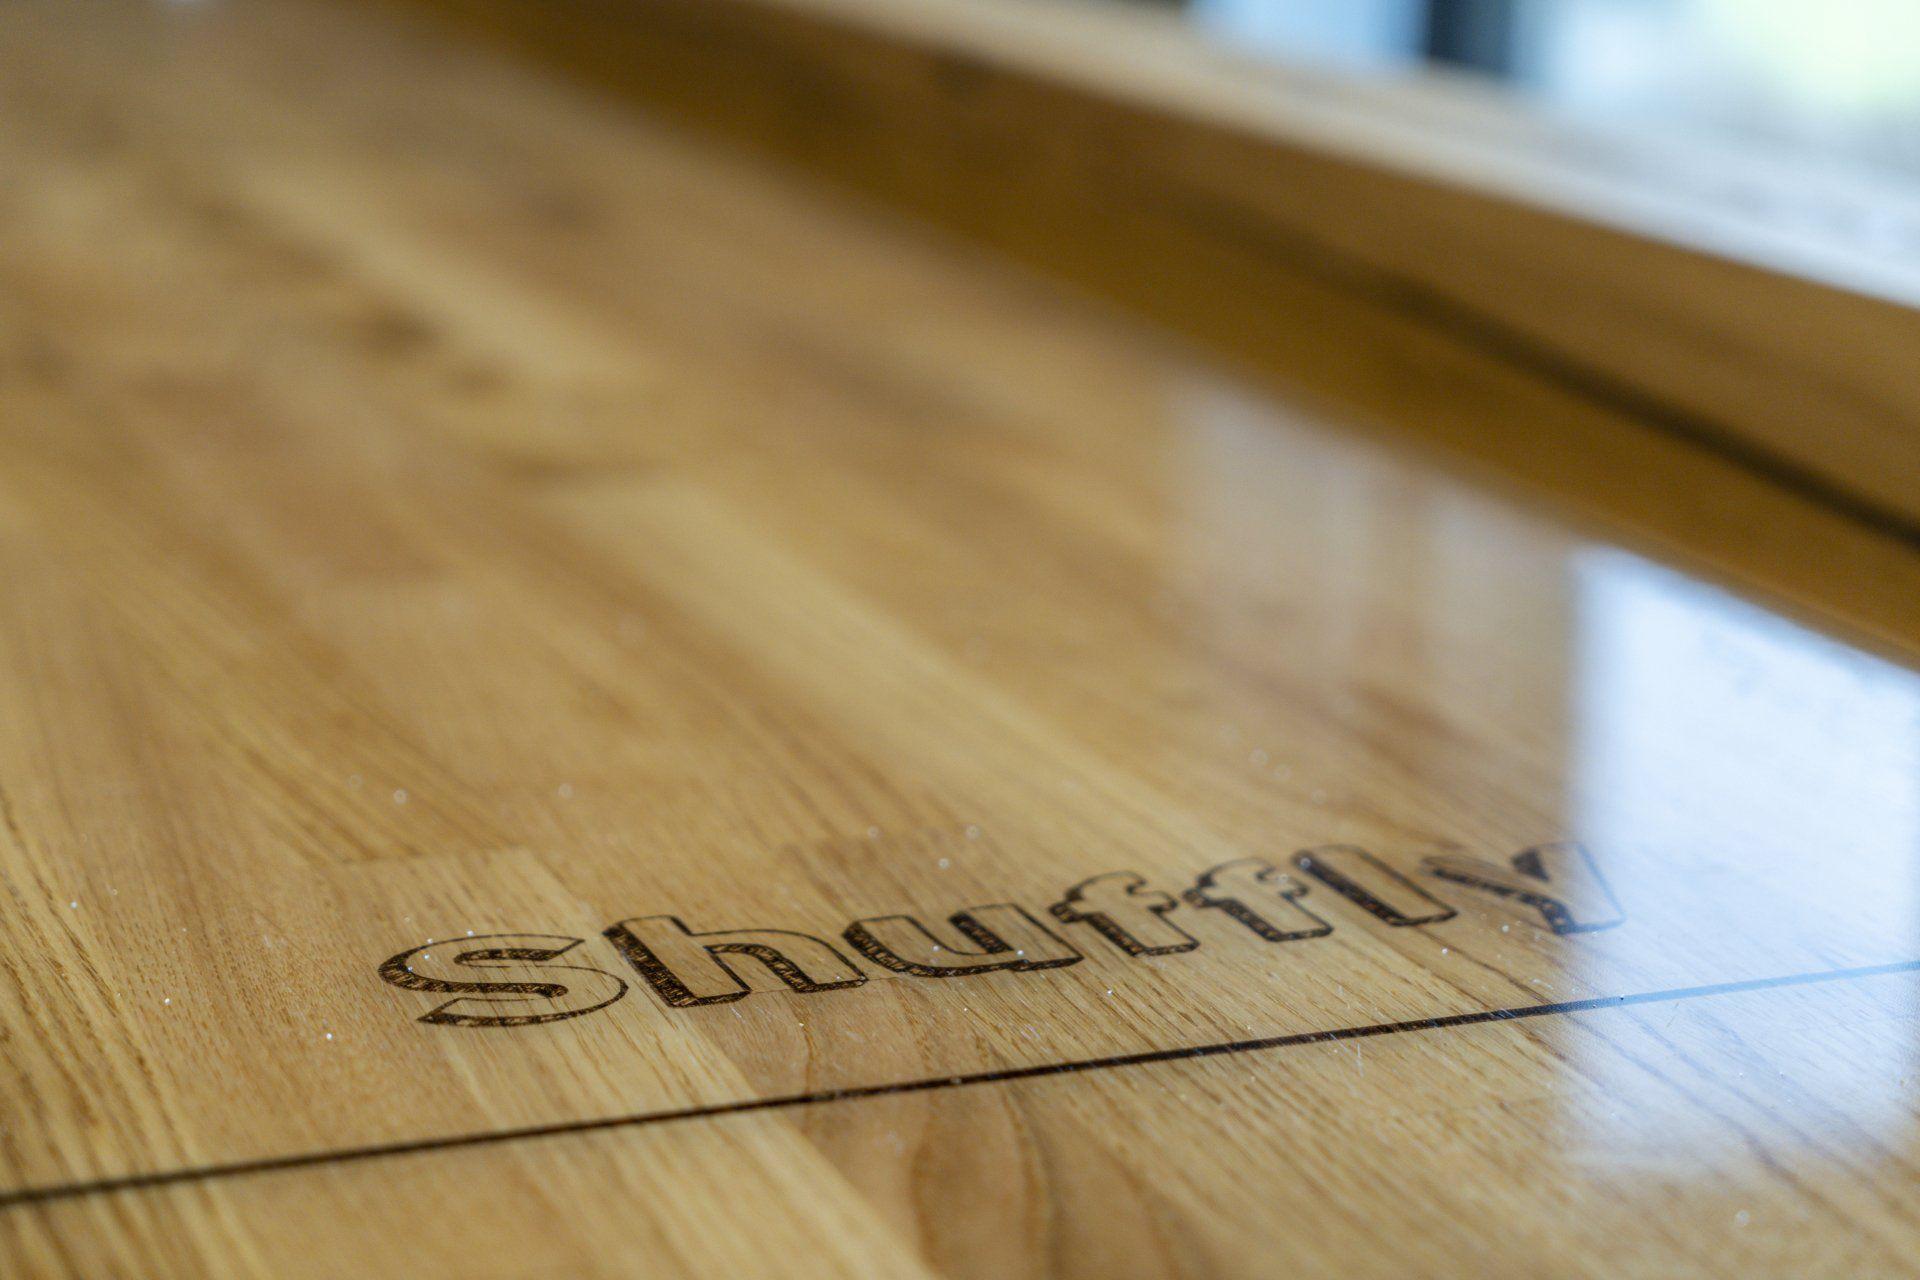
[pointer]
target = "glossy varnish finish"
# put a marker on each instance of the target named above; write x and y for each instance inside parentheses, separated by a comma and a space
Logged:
(1754, 304)
(434, 504)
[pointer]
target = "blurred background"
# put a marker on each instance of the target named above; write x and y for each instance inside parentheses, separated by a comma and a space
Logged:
(1840, 78)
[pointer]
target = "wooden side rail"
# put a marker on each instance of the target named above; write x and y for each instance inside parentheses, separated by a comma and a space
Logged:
(1753, 309)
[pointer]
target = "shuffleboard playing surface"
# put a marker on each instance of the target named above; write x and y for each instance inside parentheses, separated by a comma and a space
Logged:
(570, 704)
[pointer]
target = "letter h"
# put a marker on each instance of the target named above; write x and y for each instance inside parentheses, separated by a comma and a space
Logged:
(687, 968)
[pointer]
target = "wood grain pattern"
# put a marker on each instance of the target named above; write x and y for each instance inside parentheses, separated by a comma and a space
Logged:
(1760, 306)
(437, 505)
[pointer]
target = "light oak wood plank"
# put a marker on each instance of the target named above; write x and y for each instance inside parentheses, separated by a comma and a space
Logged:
(443, 515)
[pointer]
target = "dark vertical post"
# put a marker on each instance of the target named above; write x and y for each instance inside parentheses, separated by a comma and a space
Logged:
(1478, 35)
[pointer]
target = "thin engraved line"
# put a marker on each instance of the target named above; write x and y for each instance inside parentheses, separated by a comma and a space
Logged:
(276, 1164)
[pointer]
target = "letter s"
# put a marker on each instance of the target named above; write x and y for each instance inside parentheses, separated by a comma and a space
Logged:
(521, 992)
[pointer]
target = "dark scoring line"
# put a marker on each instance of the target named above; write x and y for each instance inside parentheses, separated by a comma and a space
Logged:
(276, 1164)
(1452, 316)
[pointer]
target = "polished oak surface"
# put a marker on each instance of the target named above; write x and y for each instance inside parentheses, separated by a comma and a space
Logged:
(1757, 304)
(572, 705)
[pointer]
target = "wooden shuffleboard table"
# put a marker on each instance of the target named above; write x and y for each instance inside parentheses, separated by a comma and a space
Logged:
(579, 699)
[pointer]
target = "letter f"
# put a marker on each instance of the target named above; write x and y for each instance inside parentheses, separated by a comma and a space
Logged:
(1126, 913)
